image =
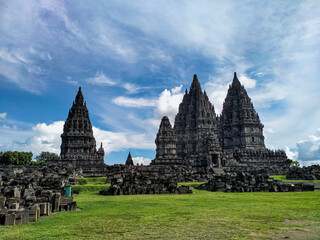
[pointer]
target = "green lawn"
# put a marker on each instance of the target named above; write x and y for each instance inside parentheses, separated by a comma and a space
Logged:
(202, 215)
(283, 178)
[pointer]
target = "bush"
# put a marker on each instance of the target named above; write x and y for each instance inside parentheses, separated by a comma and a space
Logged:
(82, 181)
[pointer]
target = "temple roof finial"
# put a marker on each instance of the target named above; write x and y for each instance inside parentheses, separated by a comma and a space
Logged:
(79, 97)
(195, 86)
(235, 80)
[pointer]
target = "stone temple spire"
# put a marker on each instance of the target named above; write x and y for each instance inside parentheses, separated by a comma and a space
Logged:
(166, 145)
(195, 119)
(77, 137)
(240, 126)
(129, 160)
(195, 86)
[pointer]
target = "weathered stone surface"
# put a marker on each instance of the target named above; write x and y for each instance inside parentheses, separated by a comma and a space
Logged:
(130, 180)
(233, 141)
(28, 192)
(166, 143)
(195, 122)
(246, 182)
(306, 173)
(240, 126)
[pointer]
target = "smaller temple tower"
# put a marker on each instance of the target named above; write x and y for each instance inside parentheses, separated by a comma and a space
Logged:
(166, 143)
(129, 160)
(240, 126)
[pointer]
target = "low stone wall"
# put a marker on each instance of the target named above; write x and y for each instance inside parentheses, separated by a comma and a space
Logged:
(305, 173)
(130, 180)
(26, 193)
(246, 182)
(182, 173)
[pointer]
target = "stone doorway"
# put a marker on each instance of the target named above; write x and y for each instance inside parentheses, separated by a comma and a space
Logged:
(215, 160)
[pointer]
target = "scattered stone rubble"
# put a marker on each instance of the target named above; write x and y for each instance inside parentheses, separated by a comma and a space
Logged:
(26, 193)
(130, 180)
(306, 173)
(246, 182)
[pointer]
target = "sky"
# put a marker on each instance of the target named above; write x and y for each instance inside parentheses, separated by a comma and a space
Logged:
(134, 60)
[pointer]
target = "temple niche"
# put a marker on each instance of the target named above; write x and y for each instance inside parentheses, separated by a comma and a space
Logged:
(78, 143)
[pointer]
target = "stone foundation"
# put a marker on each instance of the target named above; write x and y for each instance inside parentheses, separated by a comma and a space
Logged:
(306, 173)
(246, 182)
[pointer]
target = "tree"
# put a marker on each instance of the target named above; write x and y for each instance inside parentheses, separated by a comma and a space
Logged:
(16, 158)
(295, 164)
(43, 156)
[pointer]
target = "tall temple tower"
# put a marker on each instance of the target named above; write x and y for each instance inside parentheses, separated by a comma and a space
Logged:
(240, 126)
(78, 142)
(194, 126)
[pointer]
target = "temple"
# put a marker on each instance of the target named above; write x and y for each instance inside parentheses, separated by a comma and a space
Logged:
(196, 126)
(166, 143)
(233, 141)
(200, 139)
(129, 161)
(78, 143)
(240, 126)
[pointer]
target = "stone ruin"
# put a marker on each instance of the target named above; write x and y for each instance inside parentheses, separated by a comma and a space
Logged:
(166, 143)
(26, 193)
(200, 138)
(252, 182)
(131, 180)
(231, 142)
(306, 173)
(78, 144)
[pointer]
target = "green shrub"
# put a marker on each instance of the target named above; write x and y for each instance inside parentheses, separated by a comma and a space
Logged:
(82, 181)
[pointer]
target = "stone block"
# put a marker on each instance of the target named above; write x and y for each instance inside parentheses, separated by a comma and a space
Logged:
(29, 192)
(34, 213)
(8, 219)
(16, 192)
(66, 200)
(2, 201)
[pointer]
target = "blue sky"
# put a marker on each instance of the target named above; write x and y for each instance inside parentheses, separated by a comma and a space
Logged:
(134, 59)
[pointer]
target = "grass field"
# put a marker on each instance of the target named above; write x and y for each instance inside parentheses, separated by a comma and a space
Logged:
(202, 215)
(283, 178)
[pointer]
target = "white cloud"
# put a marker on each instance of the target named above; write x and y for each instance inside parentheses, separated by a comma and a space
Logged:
(116, 141)
(3, 115)
(133, 102)
(132, 88)
(309, 149)
(100, 79)
(168, 103)
(247, 82)
(291, 154)
(47, 137)
(42, 137)
(141, 160)
(6, 127)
